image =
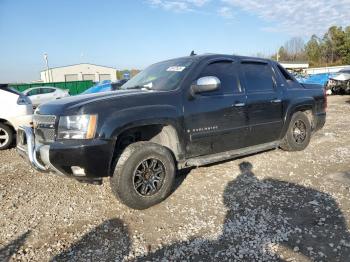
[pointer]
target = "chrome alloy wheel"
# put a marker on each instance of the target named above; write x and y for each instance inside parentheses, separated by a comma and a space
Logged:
(4, 137)
(149, 177)
(299, 131)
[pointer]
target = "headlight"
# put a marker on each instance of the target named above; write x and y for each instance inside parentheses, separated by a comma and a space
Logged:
(77, 127)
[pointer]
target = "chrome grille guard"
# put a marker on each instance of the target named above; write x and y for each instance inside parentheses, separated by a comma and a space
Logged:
(31, 149)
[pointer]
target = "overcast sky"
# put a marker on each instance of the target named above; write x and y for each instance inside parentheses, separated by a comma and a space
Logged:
(136, 33)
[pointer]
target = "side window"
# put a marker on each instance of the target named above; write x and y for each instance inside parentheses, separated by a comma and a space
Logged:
(284, 73)
(258, 77)
(47, 90)
(226, 71)
(33, 92)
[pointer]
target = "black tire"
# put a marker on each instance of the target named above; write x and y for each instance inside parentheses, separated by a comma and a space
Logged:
(6, 136)
(134, 171)
(298, 134)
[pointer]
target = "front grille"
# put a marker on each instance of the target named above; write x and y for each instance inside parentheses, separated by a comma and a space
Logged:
(44, 119)
(44, 128)
(44, 134)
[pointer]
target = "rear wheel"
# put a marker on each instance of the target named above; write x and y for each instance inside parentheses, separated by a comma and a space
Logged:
(298, 134)
(144, 175)
(6, 136)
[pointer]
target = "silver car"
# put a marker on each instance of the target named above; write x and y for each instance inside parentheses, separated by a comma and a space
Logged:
(43, 94)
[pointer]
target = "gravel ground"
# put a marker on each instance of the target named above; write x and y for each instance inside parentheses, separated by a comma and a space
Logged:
(272, 206)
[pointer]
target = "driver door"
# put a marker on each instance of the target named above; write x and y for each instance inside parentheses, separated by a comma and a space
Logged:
(216, 121)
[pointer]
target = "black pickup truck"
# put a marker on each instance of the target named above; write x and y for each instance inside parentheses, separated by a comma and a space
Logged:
(175, 114)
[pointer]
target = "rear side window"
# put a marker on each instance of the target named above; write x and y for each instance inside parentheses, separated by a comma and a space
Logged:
(284, 73)
(258, 77)
(226, 71)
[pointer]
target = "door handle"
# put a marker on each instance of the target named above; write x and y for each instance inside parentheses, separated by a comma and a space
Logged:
(276, 101)
(239, 104)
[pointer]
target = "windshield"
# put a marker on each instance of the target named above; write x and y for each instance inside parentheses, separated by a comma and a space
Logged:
(345, 71)
(163, 76)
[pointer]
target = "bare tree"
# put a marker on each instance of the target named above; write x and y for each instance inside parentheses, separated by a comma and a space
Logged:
(295, 48)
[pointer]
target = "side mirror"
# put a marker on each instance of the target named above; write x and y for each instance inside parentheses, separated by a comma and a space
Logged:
(205, 84)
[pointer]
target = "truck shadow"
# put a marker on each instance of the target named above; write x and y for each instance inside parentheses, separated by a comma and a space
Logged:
(267, 220)
(181, 175)
(107, 242)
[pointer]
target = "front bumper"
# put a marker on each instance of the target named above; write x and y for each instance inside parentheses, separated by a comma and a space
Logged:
(92, 156)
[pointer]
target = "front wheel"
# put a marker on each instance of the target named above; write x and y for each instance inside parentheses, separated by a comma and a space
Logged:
(144, 175)
(6, 136)
(298, 134)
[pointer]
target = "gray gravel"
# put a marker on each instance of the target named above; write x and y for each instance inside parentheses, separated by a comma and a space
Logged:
(272, 206)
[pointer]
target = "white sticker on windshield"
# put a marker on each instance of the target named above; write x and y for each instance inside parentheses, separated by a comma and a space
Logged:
(176, 69)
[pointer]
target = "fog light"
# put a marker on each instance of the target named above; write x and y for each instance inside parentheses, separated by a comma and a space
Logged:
(78, 171)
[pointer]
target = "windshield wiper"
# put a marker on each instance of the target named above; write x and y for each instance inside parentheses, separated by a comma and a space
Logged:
(139, 87)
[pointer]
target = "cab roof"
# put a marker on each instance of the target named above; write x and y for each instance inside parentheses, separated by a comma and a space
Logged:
(234, 57)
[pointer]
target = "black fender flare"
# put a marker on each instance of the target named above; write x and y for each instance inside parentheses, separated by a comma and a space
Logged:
(300, 104)
(139, 116)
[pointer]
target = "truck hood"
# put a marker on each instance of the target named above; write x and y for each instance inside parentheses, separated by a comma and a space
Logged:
(74, 103)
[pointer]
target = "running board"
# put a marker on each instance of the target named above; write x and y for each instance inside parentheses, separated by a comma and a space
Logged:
(209, 159)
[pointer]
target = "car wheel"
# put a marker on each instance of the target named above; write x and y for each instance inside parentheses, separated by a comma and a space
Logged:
(144, 175)
(298, 134)
(6, 136)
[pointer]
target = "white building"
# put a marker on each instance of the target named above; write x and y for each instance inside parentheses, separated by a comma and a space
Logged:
(328, 69)
(295, 65)
(79, 72)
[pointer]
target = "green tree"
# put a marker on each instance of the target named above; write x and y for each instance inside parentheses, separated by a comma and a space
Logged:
(332, 49)
(282, 54)
(332, 45)
(344, 50)
(313, 51)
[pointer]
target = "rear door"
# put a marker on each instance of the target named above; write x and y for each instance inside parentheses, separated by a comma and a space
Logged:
(47, 94)
(216, 121)
(34, 96)
(264, 102)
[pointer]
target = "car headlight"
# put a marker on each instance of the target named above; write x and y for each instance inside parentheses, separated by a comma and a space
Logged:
(77, 127)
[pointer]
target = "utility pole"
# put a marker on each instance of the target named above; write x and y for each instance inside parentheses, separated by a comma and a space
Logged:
(46, 58)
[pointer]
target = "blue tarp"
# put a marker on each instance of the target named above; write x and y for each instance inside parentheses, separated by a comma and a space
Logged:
(320, 79)
(103, 86)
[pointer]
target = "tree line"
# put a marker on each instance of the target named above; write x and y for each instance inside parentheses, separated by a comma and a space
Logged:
(330, 50)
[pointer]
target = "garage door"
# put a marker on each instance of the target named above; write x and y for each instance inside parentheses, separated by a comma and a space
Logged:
(71, 77)
(104, 77)
(89, 77)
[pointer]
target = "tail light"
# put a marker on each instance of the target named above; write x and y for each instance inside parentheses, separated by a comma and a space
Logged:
(23, 100)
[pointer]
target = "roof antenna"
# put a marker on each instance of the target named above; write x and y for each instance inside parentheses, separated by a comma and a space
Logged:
(193, 53)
